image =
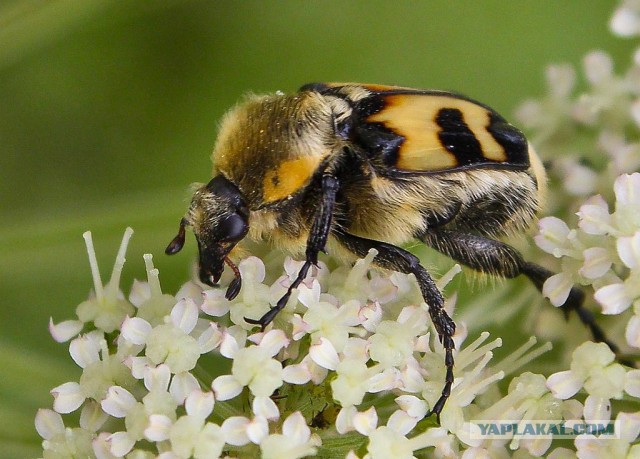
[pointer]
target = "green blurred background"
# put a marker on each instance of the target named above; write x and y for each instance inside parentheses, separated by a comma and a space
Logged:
(109, 110)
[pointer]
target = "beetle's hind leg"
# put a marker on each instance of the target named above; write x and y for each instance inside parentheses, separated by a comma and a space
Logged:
(499, 259)
(397, 259)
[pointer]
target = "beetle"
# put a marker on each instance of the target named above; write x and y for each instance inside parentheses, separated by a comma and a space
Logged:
(348, 167)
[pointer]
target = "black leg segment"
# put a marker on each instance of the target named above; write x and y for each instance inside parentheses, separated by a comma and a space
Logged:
(497, 258)
(317, 240)
(397, 259)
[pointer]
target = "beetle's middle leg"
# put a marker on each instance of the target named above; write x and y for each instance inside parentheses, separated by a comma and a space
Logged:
(397, 259)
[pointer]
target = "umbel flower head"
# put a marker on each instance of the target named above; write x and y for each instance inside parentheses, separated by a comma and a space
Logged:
(353, 358)
(351, 368)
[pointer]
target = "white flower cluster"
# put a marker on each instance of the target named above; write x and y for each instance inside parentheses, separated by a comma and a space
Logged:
(351, 357)
(592, 136)
(603, 251)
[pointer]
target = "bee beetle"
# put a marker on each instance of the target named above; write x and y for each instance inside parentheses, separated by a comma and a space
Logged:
(352, 167)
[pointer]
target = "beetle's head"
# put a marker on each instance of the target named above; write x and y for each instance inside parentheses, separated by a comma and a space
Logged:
(219, 218)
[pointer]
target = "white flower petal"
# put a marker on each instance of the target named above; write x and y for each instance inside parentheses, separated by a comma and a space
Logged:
(182, 385)
(598, 67)
(157, 378)
(184, 315)
(235, 430)
(265, 407)
(273, 341)
(324, 354)
(366, 422)
(101, 446)
(625, 22)
(561, 79)
(210, 338)
(471, 434)
(209, 442)
(139, 293)
(258, 429)
(158, 428)
(64, 331)
(632, 383)
(215, 304)
(356, 348)
(597, 409)
(401, 422)
(309, 296)
(415, 407)
(49, 423)
(597, 262)
(588, 447)
(564, 384)
(579, 179)
(135, 330)
(613, 298)
(387, 443)
(67, 397)
(84, 351)
(607, 382)
(118, 402)
(121, 443)
(296, 374)
(226, 387)
(318, 373)
(557, 288)
(572, 409)
(199, 404)
(296, 428)
(168, 455)
(629, 250)
(594, 216)
(387, 380)
(344, 420)
(536, 446)
(137, 365)
(229, 345)
(411, 380)
(92, 417)
(629, 427)
(190, 290)
(627, 190)
(553, 234)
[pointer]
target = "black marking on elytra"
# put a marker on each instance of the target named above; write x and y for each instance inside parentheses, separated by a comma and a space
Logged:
(376, 138)
(457, 138)
(510, 138)
(378, 141)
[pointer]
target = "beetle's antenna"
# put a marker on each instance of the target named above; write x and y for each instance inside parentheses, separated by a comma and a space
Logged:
(178, 242)
(236, 283)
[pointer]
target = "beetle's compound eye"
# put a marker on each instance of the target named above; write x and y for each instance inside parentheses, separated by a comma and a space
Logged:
(233, 228)
(178, 242)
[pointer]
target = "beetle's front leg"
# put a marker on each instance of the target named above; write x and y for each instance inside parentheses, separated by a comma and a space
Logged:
(397, 259)
(316, 243)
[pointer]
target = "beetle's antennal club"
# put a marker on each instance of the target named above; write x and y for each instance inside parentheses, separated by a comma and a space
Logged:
(177, 243)
(236, 283)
